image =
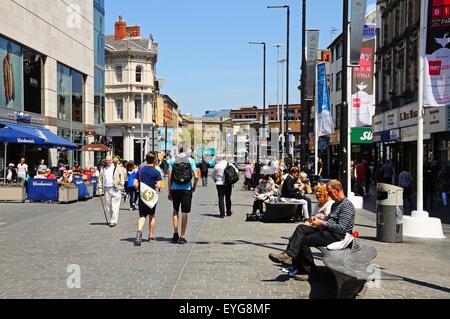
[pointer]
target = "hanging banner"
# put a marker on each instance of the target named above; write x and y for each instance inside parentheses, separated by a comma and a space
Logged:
(437, 55)
(324, 119)
(356, 30)
(363, 97)
(311, 59)
(11, 75)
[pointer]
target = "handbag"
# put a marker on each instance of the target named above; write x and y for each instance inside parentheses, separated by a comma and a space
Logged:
(27, 177)
(148, 195)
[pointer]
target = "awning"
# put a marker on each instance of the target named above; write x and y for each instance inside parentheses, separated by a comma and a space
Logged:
(25, 134)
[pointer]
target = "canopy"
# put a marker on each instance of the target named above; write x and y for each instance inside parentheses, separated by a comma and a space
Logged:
(95, 147)
(25, 134)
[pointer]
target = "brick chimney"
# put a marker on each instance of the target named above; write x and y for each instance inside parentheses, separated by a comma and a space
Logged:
(134, 31)
(120, 29)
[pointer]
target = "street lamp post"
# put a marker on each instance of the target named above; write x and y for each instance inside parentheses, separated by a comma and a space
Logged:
(142, 124)
(282, 126)
(287, 67)
(264, 88)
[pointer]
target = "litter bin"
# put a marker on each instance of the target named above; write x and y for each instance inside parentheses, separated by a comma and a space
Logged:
(389, 213)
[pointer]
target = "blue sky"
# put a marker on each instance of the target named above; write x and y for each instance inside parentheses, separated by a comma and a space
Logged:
(204, 55)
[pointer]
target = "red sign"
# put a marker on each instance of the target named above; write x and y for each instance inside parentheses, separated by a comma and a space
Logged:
(435, 67)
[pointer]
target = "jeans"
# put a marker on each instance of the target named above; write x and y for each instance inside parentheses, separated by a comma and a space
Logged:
(134, 196)
(408, 197)
(224, 192)
(258, 205)
(204, 180)
(303, 238)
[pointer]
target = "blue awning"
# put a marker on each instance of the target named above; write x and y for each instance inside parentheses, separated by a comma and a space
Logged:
(25, 134)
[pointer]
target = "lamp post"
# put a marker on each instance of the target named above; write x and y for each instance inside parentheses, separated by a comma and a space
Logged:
(282, 126)
(278, 81)
(264, 89)
(142, 125)
(287, 66)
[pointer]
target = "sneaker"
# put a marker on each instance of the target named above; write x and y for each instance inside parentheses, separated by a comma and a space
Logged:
(138, 240)
(339, 245)
(293, 273)
(175, 238)
(131, 209)
(282, 258)
(112, 225)
(151, 240)
(287, 270)
(182, 241)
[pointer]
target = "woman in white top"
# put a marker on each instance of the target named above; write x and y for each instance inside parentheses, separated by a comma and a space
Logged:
(324, 202)
(22, 170)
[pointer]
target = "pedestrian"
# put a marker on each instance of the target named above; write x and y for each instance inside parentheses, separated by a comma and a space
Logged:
(204, 168)
(151, 177)
(263, 192)
(405, 181)
(111, 183)
(368, 176)
(164, 165)
(360, 178)
(132, 192)
(11, 173)
(41, 166)
(428, 186)
(49, 175)
(322, 233)
(388, 172)
(320, 170)
(443, 183)
(224, 189)
(181, 171)
(353, 175)
(22, 171)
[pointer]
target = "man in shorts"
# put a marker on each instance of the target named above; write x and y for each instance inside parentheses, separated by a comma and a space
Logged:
(150, 176)
(181, 170)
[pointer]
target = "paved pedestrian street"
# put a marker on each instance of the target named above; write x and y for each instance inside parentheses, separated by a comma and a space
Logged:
(44, 245)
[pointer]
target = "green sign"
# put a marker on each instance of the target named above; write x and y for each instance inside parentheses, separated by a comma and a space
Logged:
(362, 135)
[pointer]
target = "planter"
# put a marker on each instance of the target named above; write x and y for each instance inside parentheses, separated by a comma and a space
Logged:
(67, 195)
(13, 194)
(90, 188)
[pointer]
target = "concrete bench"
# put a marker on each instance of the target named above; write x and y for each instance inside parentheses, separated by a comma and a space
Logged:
(351, 268)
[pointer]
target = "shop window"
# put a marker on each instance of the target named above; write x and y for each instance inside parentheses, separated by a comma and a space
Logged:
(32, 81)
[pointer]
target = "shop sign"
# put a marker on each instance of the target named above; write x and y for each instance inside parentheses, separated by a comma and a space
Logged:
(409, 134)
(362, 135)
(385, 136)
(435, 119)
(408, 115)
(391, 119)
(378, 123)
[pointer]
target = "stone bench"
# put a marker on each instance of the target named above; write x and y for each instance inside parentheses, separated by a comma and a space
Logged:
(351, 268)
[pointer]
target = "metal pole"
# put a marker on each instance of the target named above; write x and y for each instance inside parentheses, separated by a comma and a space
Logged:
(304, 132)
(420, 122)
(264, 101)
(278, 82)
(142, 124)
(165, 138)
(6, 145)
(316, 129)
(344, 147)
(287, 76)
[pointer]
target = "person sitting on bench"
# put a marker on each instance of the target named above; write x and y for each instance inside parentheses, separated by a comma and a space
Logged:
(322, 233)
(265, 189)
(325, 203)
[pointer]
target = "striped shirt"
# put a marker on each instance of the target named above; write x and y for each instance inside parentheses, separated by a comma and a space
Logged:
(342, 218)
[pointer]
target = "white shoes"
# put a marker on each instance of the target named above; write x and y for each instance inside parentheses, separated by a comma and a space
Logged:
(339, 245)
(290, 271)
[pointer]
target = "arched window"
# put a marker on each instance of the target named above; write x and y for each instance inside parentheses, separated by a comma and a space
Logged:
(139, 74)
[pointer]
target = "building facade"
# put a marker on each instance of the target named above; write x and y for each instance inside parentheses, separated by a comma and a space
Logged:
(57, 56)
(130, 75)
(395, 121)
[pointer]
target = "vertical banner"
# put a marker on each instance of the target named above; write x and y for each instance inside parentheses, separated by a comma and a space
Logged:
(311, 58)
(324, 119)
(357, 25)
(363, 81)
(437, 56)
(11, 75)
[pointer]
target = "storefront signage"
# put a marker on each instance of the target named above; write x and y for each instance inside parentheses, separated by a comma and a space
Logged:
(42, 190)
(435, 119)
(409, 134)
(394, 135)
(408, 115)
(362, 135)
(378, 123)
(391, 119)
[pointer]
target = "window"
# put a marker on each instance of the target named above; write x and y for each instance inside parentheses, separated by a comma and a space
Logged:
(119, 74)
(77, 96)
(99, 96)
(119, 109)
(338, 81)
(64, 92)
(137, 109)
(139, 74)
(331, 82)
(332, 55)
(339, 51)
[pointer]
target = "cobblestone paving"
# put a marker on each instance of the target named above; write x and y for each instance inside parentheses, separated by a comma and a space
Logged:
(224, 258)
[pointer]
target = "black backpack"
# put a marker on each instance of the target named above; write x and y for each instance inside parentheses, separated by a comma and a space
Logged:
(182, 172)
(231, 176)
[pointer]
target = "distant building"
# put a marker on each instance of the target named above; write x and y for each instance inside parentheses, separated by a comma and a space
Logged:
(130, 71)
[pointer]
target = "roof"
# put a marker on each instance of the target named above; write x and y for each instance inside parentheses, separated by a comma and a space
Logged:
(134, 44)
(333, 44)
(169, 100)
(217, 114)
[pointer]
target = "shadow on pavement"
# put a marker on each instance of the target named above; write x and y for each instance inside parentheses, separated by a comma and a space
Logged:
(98, 224)
(280, 278)
(367, 226)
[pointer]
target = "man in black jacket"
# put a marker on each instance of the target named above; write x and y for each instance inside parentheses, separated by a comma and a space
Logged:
(290, 188)
(204, 169)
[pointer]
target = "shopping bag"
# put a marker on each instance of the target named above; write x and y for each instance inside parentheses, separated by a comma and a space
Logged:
(148, 195)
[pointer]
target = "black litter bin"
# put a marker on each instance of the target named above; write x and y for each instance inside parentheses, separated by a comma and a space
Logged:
(389, 213)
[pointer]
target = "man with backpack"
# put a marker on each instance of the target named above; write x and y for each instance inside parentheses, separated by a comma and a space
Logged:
(225, 175)
(181, 170)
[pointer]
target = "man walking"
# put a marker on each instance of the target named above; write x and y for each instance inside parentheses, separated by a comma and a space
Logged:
(150, 176)
(224, 189)
(181, 170)
(405, 181)
(321, 233)
(204, 167)
(111, 183)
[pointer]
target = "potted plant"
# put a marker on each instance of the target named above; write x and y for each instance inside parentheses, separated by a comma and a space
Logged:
(67, 193)
(13, 192)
